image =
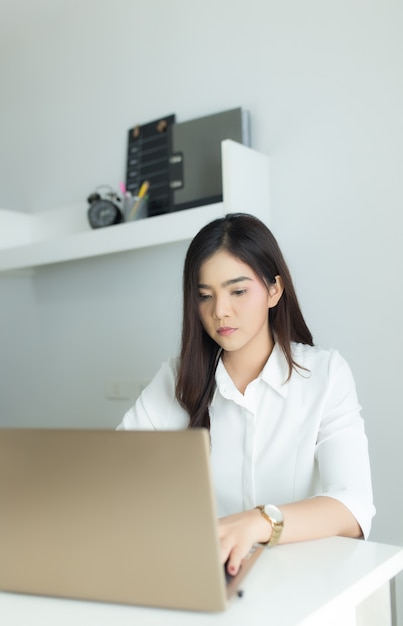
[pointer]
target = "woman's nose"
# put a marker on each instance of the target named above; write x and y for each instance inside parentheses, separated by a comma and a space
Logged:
(221, 308)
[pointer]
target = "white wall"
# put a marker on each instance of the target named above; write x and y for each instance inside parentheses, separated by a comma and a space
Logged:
(324, 86)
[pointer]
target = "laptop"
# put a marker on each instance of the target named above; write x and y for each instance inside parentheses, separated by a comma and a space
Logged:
(112, 516)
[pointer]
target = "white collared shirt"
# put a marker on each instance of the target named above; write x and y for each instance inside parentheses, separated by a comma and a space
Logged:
(279, 442)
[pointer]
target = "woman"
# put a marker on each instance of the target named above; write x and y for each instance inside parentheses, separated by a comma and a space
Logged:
(288, 449)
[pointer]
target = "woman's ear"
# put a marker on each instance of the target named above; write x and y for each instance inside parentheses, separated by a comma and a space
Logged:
(275, 292)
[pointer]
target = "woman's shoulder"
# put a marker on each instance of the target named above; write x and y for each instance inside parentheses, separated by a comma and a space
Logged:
(323, 369)
(166, 374)
(313, 357)
(157, 407)
(170, 365)
(314, 351)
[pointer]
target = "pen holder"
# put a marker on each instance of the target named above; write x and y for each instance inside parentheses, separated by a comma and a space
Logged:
(135, 208)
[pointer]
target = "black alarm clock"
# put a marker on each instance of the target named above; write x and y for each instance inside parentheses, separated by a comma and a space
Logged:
(103, 211)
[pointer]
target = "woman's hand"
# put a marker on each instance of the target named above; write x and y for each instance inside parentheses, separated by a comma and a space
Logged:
(238, 533)
(313, 518)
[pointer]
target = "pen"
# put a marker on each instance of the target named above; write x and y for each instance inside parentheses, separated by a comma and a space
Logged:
(143, 190)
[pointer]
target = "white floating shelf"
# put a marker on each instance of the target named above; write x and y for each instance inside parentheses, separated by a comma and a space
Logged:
(64, 234)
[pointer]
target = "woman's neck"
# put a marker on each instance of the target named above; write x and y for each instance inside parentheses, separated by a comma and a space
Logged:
(245, 365)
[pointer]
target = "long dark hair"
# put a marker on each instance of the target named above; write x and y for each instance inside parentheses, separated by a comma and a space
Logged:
(250, 241)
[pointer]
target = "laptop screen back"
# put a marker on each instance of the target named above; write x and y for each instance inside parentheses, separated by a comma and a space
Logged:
(114, 516)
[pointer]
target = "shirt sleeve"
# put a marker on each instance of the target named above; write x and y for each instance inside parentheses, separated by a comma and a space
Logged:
(342, 446)
(157, 408)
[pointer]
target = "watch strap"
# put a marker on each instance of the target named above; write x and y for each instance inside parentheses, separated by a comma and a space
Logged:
(277, 527)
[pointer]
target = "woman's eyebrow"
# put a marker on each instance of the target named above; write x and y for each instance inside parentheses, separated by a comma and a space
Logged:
(227, 283)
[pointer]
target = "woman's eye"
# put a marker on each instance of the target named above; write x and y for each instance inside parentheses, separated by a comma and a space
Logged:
(239, 292)
(204, 296)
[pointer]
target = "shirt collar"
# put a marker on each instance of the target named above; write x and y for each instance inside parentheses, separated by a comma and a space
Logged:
(274, 373)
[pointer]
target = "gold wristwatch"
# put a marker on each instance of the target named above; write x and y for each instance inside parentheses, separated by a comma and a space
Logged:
(274, 516)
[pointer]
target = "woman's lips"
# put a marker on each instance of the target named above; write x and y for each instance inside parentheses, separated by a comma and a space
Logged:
(225, 331)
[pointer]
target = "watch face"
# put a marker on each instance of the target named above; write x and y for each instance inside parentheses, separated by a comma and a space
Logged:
(103, 213)
(274, 513)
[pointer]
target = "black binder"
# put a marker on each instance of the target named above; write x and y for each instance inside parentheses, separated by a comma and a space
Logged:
(148, 153)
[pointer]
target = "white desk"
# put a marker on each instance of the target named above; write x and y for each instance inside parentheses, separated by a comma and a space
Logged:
(318, 583)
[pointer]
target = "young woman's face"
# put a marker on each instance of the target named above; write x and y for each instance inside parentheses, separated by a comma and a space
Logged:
(233, 303)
